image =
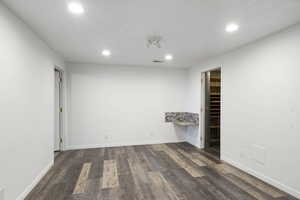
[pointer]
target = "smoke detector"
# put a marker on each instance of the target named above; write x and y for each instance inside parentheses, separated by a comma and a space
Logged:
(154, 41)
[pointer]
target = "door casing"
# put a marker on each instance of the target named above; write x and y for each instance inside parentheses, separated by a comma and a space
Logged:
(59, 110)
(204, 112)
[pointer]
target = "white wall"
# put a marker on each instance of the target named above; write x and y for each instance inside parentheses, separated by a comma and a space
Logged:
(260, 109)
(26, 105)
(119, 105)
(115, 105)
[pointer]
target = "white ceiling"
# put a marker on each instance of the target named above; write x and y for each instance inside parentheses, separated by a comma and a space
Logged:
(192, 29)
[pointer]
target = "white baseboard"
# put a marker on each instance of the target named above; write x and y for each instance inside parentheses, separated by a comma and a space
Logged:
(199, 146)
(90, 146)
(269, 180)
(35, 182)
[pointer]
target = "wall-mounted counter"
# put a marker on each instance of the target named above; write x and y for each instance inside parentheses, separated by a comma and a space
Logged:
(182, 118)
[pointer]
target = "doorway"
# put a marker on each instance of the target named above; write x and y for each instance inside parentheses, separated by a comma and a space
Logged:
(212, 111)
(58, 133)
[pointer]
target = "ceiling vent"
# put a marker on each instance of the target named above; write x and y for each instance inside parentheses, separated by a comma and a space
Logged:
(157, 61)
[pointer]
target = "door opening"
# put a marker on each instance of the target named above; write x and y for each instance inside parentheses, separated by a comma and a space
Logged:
(212, 112)
(58, 136)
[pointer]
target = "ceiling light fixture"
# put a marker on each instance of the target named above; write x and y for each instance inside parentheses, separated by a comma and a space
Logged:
(232, 27)
(168, 57)
(76, 8)
(106, 53)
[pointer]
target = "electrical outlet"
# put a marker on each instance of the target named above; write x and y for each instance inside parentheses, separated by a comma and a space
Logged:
(1, 194)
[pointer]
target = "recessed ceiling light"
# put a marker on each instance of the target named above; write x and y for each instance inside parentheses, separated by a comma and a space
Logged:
(232, 27)
(168, 57)
(76, 8)
(106, 53)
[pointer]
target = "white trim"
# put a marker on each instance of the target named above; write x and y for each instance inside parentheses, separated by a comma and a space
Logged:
(195, 145)
(37, 179)
(63, 130)
(271, 181)
(202, 110)
(117, 144)
(212, 68)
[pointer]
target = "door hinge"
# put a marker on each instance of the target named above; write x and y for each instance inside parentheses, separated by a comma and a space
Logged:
(60, 109)
(60, 140)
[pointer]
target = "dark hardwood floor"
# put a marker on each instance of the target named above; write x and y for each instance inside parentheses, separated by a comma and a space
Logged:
(149, 172)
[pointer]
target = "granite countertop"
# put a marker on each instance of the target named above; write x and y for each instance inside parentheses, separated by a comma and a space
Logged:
(182, 118)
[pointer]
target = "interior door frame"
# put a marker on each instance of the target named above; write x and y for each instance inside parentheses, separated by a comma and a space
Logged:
(206, 108)
(61, 108)
(203, 103)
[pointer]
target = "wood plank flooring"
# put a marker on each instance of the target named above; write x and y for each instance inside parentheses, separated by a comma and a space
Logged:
(148, 172)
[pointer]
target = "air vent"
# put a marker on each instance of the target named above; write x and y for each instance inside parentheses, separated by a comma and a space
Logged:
(158, 61)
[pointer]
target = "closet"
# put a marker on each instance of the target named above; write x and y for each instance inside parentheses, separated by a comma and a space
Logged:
(212, 111)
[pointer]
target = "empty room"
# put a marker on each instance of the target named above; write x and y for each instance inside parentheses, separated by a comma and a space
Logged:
(149, 99)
